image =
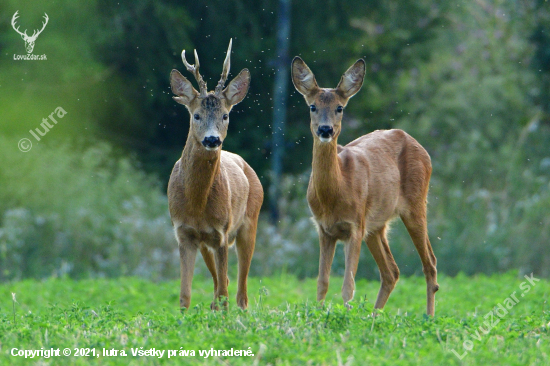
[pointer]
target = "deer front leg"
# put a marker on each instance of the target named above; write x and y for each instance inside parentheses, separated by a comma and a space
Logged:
(327, 246)
(352, 250)
(188, 253)
(221, 267)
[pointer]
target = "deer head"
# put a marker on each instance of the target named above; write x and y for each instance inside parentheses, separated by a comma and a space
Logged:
(209, 110)
(327, 105)
(29, 40)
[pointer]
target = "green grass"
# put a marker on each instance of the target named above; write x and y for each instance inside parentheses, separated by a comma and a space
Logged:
(283, 326)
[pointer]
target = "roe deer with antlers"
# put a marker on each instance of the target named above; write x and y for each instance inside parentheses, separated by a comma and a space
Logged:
(356, 190)
(214, 196)
(29, 40)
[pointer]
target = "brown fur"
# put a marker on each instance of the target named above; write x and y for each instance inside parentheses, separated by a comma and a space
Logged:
(214, 197)
(356, 190)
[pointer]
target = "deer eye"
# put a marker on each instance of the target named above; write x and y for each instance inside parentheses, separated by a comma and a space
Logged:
(225, 117)
(197, 117)
(312, 108)
(339, 109)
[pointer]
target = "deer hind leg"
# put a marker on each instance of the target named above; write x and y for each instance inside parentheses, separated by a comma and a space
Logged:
(389, 272)
(327, 247)
(188, 254)
(246, 241)
(352, 251)
(208, 257)
(417, 227)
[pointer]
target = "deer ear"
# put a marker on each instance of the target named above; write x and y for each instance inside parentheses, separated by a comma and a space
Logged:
(182, 88)
(302, 77)
(352, 80)
(237, 88)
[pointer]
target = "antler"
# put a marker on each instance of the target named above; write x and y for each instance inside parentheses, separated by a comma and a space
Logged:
(13, 21)
(225, 72)
(35, 34)
(194, 69)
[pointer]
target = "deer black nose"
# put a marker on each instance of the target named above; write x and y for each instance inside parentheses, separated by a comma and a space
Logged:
(325, 131)
(211, 141)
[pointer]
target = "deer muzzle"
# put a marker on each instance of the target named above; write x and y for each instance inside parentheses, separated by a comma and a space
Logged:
(211, 142)
(325, 133)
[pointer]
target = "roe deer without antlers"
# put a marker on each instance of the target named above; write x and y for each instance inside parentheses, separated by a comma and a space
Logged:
(356, 190)
(214, 196)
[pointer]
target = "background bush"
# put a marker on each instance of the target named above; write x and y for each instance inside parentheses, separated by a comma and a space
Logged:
(81, 213)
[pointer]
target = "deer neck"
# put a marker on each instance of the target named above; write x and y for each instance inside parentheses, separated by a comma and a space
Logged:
(199, 170)
(326, 173)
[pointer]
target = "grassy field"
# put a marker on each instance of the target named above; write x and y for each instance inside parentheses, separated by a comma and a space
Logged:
(476, 317)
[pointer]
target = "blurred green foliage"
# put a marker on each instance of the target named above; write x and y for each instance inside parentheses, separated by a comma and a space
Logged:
(469, 80)
(67, 211)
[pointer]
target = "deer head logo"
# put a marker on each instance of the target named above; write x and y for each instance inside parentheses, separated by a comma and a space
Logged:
(29, 41)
